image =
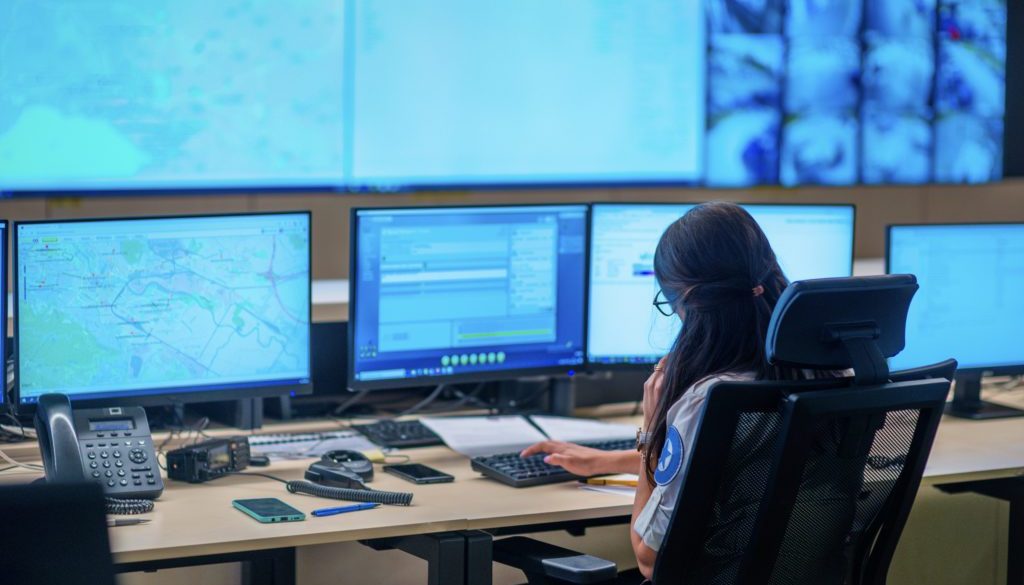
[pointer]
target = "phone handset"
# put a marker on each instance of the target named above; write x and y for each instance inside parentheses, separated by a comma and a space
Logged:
(58, 441)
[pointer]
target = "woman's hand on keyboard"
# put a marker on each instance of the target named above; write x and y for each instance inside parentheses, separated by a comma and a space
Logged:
(585, 461)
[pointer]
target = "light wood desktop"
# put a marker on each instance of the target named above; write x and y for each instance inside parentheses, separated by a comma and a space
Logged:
(195, 520)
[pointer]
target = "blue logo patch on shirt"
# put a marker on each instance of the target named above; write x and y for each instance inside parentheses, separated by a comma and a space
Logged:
(671, 460)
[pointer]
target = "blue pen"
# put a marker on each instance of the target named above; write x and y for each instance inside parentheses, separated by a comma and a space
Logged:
(342, 509)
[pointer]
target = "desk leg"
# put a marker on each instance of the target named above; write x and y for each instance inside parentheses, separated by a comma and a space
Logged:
(445, 554)
(1015, 544)
(479, 557)
(276, 568)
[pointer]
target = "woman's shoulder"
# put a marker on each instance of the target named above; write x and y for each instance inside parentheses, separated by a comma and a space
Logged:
(690, 403)
(701, 388)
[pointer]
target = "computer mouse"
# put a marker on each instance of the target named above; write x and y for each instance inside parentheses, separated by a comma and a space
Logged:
(351, 460)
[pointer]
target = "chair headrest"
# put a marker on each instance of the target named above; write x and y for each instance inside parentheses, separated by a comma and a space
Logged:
(835, 323)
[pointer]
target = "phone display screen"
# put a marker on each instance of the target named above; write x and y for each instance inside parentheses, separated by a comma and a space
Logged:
(112, 424)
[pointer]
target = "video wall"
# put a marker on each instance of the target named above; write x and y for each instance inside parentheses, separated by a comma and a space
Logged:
(378, 96)
(843, 92)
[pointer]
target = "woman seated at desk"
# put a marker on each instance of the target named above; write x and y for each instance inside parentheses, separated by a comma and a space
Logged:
(718, 273)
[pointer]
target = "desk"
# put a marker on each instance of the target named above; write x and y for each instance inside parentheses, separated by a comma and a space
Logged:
(196, 521)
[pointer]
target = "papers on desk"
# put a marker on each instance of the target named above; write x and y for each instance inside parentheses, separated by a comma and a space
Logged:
(474, 436)
(576, 430)
(304, 446)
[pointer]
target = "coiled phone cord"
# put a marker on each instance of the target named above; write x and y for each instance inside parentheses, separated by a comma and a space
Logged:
(336, 493)
(352, 495)
(119, 506)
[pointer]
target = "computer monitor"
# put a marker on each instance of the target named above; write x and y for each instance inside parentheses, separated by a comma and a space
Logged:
(625, 330)
(456, 294)
(968, 307)
(162, 310)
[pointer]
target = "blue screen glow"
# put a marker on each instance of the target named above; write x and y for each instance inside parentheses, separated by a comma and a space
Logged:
(368, 95)
(117, 308)
(810, 241)
(446, 292)
(969, 305)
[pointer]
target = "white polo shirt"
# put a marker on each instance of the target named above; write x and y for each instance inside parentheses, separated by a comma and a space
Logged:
(653, 521)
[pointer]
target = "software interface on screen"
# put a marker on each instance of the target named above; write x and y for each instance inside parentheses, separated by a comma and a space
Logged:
(447, 292)
(969, 304)
(363, 94)
(147, 306)
(624, 327)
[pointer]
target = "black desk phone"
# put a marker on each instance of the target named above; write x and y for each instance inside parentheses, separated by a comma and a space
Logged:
(111, 446)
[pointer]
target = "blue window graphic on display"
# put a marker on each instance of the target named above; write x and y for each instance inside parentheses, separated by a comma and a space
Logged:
(474, 291)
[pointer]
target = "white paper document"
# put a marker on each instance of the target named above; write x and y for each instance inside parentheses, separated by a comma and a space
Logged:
(303, 446)
(576, 430)
(474, 436)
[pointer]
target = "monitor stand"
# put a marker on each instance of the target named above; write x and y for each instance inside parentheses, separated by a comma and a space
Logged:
(967, 402)
(244, 413)
(524, 396)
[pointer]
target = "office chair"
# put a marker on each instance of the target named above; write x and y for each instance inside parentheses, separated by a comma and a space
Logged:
(797, 482)
(54, 534)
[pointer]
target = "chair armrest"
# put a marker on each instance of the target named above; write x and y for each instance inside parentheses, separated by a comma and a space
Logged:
(550, 562)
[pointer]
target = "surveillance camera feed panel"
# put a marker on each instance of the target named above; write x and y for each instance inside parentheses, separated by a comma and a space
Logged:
(810, 241)
(137, 308)
(969, 304)
(466, 293)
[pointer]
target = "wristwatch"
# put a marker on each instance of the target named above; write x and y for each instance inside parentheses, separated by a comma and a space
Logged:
(642, 439)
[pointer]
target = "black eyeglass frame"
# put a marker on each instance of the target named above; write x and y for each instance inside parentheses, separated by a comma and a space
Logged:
(661, 304)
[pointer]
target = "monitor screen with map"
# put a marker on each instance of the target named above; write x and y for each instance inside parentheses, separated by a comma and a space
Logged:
(163, 310)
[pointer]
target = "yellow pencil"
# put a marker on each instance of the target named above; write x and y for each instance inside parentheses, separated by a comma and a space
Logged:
(612, 481)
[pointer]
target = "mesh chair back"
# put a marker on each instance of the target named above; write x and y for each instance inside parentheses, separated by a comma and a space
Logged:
(803, 483)
(810, 482)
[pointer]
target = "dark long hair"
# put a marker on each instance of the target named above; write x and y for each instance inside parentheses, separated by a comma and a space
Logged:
(708, 264)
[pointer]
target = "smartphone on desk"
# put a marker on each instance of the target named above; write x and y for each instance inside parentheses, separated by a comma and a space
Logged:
(418, 473)
(267, 510)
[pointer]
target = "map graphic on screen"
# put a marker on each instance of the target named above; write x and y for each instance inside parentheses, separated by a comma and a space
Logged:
(133, 305)
(184, 93)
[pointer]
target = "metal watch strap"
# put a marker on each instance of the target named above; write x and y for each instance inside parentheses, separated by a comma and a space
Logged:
(642, 438)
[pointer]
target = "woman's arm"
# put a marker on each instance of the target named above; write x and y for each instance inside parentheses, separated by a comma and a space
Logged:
(586, 461)
(645, 555)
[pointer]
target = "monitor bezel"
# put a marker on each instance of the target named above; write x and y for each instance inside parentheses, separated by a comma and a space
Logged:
(174, 395)
(595, 366)
(7, 401)
(1001, 370)
(470, 377)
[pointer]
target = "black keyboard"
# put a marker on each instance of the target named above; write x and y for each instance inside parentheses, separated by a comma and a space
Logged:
(516, 471)
(400, 434)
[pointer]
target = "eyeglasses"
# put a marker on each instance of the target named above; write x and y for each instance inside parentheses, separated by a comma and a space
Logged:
(663, 305)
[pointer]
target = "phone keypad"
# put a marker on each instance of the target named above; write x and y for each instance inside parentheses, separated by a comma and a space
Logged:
(121, 464)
